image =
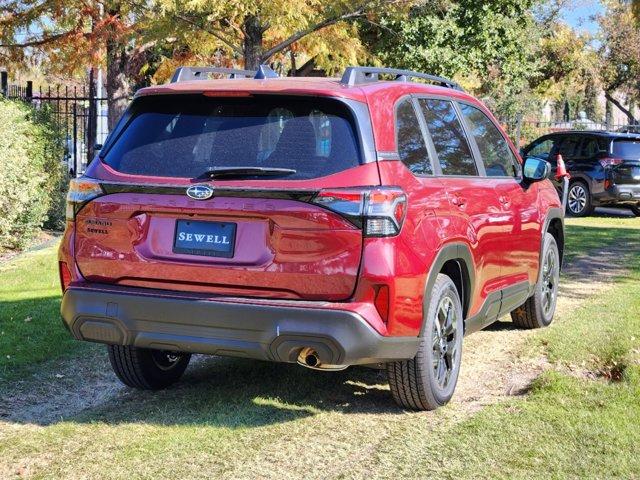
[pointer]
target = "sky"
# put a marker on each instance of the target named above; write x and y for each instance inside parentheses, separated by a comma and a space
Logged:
(579, 12)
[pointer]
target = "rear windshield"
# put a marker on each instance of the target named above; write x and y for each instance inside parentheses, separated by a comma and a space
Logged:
(629, 149)
(189, 135)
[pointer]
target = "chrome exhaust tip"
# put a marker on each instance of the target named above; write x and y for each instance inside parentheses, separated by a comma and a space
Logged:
(309, 358)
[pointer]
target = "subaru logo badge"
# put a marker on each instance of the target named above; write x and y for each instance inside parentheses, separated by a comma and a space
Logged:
(200, 192)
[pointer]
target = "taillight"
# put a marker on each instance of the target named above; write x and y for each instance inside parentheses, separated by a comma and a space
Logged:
(610, 162)
(65, 276)
(381, 302)
(380, 211)
(81, 190)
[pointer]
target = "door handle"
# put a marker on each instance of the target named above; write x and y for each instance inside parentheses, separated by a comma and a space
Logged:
(504, 200)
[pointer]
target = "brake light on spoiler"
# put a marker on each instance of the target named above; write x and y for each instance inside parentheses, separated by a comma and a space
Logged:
(379, 211)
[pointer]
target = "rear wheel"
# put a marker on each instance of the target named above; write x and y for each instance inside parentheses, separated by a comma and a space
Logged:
(636, 210)
(147, 369)
(538, 310)
(428, 381)
(579, 199)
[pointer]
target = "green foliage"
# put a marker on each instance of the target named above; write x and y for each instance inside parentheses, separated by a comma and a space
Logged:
(620, 49)
(490, 47)
(30, 172)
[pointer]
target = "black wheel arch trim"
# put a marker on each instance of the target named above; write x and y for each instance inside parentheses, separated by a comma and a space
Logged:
(460, 253)
(554, 213)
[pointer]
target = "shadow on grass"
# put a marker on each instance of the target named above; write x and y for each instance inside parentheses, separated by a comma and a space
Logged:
(238, 393)
(587, 240)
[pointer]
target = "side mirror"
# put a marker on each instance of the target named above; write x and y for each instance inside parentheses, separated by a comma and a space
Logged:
(97, 147)
(536, 169)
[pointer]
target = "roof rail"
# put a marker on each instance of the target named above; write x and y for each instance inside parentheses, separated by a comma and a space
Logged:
(358, 75)
(183, 74)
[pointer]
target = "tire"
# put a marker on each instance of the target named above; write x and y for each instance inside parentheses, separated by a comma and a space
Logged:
(418, 384)
(579, 202)
(636, 210)
(147, 369)
(538, 310)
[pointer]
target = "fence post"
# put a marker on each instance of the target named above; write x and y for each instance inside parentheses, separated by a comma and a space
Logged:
(92, 121)
(29, 93)
(75, 139)
(4, 81)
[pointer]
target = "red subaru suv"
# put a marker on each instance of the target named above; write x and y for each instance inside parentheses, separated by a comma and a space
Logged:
(370, 220)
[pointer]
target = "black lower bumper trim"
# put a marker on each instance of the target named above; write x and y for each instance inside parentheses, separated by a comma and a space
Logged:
(265, 332)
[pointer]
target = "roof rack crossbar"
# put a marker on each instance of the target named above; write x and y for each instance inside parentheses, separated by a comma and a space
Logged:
(183, 74)
(358, 75)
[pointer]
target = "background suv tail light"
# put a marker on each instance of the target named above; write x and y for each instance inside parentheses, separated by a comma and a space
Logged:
(610, 162)
(81, 190)
(379, 211)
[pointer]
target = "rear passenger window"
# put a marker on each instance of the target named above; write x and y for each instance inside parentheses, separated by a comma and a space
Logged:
(589, 148)
(569, 147)
(411, 147)
(496, 154)
(448, 137)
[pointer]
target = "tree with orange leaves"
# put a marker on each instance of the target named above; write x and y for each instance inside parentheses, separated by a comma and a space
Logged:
(69, 35)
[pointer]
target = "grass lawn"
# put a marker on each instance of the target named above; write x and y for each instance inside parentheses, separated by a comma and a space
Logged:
(30, 327)
(233, 418)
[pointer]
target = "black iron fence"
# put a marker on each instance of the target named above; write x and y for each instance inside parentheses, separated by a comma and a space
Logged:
(79, 113)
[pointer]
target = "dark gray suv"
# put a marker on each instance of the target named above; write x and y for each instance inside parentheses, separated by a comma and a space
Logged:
(604, 167)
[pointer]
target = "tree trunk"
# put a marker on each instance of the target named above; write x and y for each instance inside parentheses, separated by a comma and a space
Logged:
(253, 38)
(118, 86)
(609, 96)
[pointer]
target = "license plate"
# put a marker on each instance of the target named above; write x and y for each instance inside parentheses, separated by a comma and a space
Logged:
(213, 239)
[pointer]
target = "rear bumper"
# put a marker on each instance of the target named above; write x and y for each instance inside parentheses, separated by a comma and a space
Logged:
(252, 330)
(619, 194)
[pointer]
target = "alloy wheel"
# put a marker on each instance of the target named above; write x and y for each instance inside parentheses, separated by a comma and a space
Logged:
(550, 274)
(445, 355)
(577, 199)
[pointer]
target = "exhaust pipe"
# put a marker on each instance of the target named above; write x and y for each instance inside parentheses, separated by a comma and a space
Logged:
(309, 358)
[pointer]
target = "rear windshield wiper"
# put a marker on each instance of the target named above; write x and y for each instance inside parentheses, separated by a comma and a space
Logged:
(222, 172)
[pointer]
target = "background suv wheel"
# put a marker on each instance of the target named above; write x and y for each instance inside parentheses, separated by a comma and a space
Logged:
(428, 381)
(579, 202)
(147, 369)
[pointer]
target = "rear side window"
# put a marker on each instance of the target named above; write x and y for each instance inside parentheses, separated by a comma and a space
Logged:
(188, 135)
(629, 149)
(494, 150)
(454, 153)
(569, 147)
(411, 147)
(589, 148)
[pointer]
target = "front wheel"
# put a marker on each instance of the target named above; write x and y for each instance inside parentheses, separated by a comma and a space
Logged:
(538, 310)
(428, 381)
(579, 199)
(147, 369)
(636, 210)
